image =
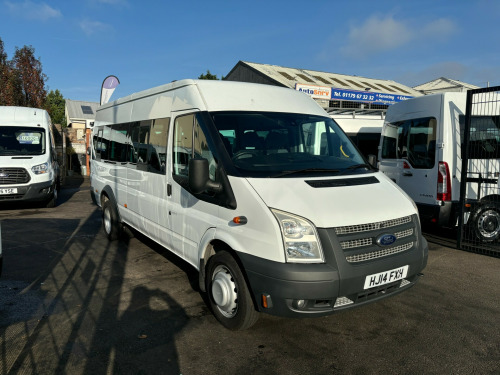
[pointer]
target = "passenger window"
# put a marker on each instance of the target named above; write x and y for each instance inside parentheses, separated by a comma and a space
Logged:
(106, 135)
(140, 139)
(119, 143)
(189, 140)
(158, 145)
(202, 150)
(484, 136)
(182, 148)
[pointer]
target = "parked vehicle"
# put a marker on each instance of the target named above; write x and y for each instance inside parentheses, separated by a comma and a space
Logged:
(421, 150)
(259, 189)
(364, 130)
(28, 161)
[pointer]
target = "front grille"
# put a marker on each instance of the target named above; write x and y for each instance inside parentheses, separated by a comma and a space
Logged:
(378, 254)
(9, 176)
(359, 242)
(372, 226)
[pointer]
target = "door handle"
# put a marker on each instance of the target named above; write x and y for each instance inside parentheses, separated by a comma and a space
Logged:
(407, 173)
(169, 190)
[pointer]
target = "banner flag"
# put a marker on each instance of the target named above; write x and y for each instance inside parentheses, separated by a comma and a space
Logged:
(108, 87)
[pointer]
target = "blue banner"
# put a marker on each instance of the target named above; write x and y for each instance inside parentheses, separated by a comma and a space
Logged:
(368, 96)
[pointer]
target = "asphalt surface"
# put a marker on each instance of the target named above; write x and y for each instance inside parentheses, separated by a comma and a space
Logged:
(73, 303)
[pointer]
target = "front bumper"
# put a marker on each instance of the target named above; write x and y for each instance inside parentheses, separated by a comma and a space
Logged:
(298, 290)
(33, 192)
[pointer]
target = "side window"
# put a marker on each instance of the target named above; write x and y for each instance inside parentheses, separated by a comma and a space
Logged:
(389, 141)
(484, 136)
(158, 145)
(119, 143)
(140, 139)
(189, 140)
(202, 150)
(106, 135)
(182, 147)
(414, 140)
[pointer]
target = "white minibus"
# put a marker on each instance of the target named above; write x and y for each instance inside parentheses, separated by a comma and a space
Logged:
(29, 171)
(421, 150)
(260, 190)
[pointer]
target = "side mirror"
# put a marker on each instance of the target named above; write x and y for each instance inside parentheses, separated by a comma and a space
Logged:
(372, 160)
(198, 177)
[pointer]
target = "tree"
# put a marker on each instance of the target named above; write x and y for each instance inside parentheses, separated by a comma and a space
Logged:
(209, 76)
(32, 77)
(55, 105)
(10, 81)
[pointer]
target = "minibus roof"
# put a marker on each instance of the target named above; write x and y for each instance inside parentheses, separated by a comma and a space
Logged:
(231, 96)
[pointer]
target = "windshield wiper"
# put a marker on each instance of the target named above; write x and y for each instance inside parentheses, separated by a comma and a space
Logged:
(306, 170)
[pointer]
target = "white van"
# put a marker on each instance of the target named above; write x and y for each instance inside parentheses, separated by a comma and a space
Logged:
(28, 161)
(257, 188)
(420, 150)
(363, 129)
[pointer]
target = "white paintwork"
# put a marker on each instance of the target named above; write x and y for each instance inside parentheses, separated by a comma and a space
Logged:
(35, 118)
(421, 185)
(191, 224)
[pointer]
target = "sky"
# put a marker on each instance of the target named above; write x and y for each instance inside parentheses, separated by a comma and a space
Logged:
(151, 42)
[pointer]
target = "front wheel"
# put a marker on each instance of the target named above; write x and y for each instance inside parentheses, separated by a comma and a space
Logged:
(229, 296)
(486, 222)
(52, 201)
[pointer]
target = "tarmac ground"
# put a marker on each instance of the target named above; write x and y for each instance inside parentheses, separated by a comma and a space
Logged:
(71, 302)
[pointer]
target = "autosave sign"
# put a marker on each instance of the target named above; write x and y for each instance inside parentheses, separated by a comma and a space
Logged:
(315, 92)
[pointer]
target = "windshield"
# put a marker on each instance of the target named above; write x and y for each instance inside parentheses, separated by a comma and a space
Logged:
(21, 140)
(265, 144)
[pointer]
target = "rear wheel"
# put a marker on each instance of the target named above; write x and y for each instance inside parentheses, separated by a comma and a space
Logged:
(486, 222)
(110, 221)
(229, 295)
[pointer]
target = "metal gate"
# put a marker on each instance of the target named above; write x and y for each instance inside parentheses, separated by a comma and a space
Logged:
(479, 218)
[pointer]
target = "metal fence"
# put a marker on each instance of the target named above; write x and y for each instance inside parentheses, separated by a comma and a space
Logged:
(479, 219)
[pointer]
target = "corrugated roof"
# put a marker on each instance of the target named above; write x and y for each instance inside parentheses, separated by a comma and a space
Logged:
(77, 109)
(443, 83)
(291, 76)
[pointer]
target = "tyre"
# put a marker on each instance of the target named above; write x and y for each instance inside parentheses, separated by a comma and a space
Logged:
(52, 202)
(110, 220)
(228, 292)
(485, 222)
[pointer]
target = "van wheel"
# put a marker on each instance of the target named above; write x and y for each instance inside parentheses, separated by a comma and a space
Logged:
(486, 222)
(229, 296)
(110, 220)
(52, 202)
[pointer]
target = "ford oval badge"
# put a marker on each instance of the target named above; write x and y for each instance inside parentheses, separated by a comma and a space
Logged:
(386, 239)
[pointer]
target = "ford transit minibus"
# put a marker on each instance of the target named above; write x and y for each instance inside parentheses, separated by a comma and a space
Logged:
(261, 191)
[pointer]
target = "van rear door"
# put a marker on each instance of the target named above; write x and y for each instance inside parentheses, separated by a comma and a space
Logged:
(408, 157)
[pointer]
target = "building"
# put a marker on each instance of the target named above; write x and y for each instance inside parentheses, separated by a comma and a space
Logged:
(336, 93)
(444, 85)
(79, 116)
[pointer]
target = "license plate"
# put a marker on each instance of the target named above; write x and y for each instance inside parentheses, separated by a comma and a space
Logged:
(386, 277)
(8, 191)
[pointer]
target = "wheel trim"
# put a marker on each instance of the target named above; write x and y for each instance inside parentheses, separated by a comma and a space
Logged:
(488, 224)
(107, 221)
(224, 291)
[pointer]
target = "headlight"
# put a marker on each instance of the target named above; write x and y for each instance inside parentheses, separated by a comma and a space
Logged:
(40, 168)
(300, 238)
